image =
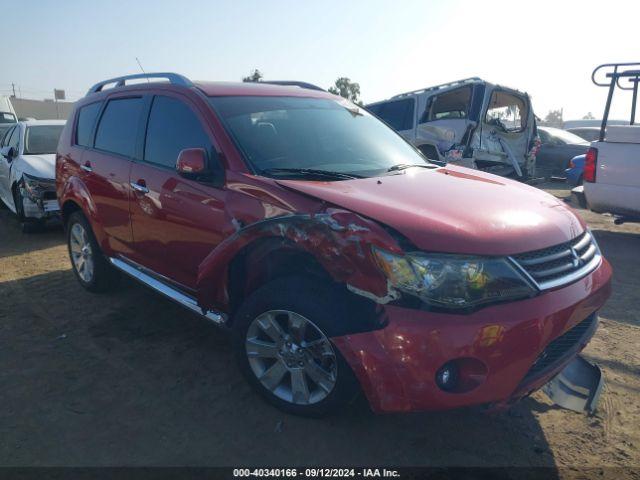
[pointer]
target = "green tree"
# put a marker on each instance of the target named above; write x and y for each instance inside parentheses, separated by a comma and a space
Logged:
(554, 117)
(347, 89)
(255, 76)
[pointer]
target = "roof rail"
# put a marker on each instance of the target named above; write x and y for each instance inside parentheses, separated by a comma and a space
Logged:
(441, 86)
(173, 78)
(294, 83)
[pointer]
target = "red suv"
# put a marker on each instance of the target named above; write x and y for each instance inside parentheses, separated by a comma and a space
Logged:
(340, 258)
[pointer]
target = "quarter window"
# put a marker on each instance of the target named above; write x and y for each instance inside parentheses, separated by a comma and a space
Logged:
(450, 105)
(86, 120)
(118, 126)
(172, 127)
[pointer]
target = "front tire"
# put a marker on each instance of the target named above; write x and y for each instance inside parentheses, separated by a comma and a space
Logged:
(90, 266)
(281, 342)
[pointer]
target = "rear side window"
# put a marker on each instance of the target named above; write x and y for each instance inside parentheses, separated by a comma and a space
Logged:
(172, 127)
(398, 114)
(86, 120)
(118, 126)
(450, 105)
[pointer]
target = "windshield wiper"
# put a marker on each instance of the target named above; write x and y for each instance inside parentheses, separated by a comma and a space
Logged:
(404, 166)
(311, 172)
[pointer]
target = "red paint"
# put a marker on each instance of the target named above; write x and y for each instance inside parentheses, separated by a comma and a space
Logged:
(191, 232)
(396, 366)
(455, 210)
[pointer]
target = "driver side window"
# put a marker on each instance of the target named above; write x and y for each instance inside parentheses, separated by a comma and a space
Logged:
(14, 140)
(447, 106)
(5, 137)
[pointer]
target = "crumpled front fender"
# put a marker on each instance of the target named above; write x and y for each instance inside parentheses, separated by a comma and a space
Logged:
(339, 240)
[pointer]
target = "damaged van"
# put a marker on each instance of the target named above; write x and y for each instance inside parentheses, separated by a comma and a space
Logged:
(468, 122)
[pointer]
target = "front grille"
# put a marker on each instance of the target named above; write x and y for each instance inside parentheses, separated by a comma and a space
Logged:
(559, 348)
(561, 264)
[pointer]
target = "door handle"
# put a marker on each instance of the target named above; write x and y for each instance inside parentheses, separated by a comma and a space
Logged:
(139, 187)
(86, 167)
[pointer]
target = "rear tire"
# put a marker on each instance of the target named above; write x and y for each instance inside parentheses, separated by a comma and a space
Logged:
(90, 266)
(281, 342)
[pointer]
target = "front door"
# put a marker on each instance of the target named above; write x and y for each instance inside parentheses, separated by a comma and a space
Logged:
(176, 221)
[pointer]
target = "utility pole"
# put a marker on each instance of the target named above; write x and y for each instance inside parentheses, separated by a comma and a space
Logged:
(13, 87)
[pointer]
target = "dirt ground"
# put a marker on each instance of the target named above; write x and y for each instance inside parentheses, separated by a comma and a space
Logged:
(129, 378)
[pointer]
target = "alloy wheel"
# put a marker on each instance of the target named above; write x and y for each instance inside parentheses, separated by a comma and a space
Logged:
(81, 252)
(291, 357)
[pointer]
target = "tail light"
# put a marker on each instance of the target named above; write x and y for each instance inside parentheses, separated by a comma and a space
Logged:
(590, 162)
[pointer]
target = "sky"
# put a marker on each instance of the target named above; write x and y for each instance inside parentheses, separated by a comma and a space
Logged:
(546, 48)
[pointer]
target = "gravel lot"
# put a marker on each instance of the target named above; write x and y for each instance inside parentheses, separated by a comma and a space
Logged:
(128, 378)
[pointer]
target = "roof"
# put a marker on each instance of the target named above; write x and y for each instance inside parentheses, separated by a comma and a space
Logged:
(31, 123)
(227, 89)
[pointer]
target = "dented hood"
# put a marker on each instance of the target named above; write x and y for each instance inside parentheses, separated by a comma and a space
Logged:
(454, 209)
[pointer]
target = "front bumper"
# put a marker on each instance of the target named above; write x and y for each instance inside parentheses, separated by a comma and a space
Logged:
(40, 208)
(397, 365)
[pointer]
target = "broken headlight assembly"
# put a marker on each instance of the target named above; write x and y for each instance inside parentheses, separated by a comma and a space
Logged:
(34, 187)
(454, 282)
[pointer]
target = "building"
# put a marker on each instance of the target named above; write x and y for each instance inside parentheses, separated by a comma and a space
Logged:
(41, 109)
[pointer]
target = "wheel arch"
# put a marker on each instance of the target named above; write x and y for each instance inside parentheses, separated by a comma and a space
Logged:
(334, 246)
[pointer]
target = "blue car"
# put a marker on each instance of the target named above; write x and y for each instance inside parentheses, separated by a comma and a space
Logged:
(574, 172)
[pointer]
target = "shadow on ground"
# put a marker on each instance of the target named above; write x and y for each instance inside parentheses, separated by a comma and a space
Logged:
(128, 378)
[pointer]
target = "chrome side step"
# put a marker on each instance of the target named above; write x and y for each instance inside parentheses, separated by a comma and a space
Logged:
(168, 291)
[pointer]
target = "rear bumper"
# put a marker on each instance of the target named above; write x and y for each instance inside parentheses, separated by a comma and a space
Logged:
(397, 365)
(615, 199)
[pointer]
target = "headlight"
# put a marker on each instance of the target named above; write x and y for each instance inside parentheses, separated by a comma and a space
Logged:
(35, 187)
(454, 281)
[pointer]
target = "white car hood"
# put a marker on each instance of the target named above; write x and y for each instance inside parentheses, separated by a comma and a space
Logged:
(42, 166)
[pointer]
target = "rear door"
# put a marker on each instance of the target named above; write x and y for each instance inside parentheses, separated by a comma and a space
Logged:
(506, 128)
(176, 221)
(106, 166)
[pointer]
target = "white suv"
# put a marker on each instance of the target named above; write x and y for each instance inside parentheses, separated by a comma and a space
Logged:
(27, 170)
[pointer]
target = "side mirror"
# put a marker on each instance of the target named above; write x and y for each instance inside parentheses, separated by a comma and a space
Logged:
(192, 162)
(9, 153)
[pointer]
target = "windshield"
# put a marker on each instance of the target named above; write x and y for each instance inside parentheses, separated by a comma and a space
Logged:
(42, 139)
(312, 133)
(566, 137)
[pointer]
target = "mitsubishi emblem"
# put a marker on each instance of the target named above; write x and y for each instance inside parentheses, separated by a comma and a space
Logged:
(576, 261)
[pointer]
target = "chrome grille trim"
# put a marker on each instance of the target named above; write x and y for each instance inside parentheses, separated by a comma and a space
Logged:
(561, 264)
